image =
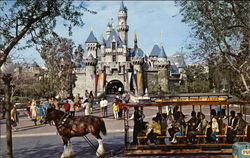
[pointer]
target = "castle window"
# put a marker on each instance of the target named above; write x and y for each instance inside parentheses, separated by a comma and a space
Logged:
(114, 58)
(113, 46)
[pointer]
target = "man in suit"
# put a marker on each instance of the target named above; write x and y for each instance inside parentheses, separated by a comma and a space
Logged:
(241, 124)
(231, 131)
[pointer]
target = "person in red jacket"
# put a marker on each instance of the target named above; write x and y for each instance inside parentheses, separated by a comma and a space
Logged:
(67, 107)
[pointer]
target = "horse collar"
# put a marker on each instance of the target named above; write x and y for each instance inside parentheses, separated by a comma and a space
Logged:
(63, 120)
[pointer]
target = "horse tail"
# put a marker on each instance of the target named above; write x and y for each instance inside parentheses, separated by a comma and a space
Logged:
(103, 127)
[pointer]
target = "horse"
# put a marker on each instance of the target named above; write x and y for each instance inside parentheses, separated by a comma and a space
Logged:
(78, 126)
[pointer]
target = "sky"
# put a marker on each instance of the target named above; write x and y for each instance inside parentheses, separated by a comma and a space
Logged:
(147, 18)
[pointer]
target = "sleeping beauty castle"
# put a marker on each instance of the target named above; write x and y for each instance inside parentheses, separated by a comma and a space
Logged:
(109, 65)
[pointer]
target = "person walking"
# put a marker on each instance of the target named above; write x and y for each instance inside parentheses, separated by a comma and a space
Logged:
(91, 101)
(40, 112)
(14, 117)
(72, 108)
(86, 106)
(104, 107)
(33, 110)
(67, 106)
(116, 109)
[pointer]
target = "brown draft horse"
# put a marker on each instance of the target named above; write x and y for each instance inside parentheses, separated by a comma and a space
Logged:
(78, 126)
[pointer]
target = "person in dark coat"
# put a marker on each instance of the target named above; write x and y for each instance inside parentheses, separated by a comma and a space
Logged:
(192, 125)
(231, 131)
(137, 124)
(241, 124)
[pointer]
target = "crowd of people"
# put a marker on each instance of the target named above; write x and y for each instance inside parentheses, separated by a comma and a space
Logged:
(175, 125)
(36, 109)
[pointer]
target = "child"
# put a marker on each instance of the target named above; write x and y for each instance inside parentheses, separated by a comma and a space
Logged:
(115, 108)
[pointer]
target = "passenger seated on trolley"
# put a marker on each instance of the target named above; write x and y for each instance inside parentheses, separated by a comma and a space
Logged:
(215, 129)
(193, 119)
(241, 124)
(192, 125)
(176, 112)
(202, 126)
(180, 129)
(213, 113)
(231, 131)
(156, 130)
(164, 124)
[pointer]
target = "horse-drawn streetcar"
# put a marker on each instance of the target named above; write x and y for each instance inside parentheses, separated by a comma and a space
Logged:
(219, 124)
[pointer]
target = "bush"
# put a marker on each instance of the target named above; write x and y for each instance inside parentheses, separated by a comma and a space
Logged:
(19, 99)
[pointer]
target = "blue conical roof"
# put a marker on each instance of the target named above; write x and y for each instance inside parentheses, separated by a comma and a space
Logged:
(174, 69)
(155, 51)
(162, 53)
(91, 38)
(122, 7)
(113, 35)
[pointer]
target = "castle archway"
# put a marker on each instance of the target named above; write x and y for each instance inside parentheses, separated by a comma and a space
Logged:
(114, 86)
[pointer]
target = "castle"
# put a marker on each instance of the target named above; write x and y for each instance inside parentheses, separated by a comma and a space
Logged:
(110, 65)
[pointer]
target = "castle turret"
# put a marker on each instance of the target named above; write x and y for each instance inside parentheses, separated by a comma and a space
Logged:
(109, 29)
(92, 44)
(90, 69)
(102, 44)
(122, 27)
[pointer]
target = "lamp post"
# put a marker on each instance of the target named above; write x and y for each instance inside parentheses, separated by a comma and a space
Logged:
(7, 68)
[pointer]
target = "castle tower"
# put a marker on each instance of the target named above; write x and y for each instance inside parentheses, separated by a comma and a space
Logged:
(91, 45)
(90, 69)
(122, 27)
(109, 29)
(162, 65)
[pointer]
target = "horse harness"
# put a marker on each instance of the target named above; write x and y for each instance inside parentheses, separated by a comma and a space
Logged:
(63, 120)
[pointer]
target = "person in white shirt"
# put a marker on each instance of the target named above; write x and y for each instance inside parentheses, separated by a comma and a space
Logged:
(86, 106)
(104, 107)
(215, 129)
(72, 108)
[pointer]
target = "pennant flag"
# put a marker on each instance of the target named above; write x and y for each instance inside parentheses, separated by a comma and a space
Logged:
(135, 78)
(129, 77)
(139, 75)
(101, 79)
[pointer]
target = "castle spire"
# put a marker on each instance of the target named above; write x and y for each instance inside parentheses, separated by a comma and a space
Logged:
(135, 41)
(122, 7)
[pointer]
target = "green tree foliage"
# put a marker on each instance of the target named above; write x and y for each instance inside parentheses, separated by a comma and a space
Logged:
(36, 20)
(197, 79)
(222, 30)
(59, 59)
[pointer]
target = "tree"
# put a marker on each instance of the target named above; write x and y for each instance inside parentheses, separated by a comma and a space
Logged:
(222, 30)
(36, 21)
(197, 79)
(60, 62)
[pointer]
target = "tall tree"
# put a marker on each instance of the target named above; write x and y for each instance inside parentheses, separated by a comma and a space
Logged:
(197, 79)
(223, 31)
(59, 60)
(36, 20)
